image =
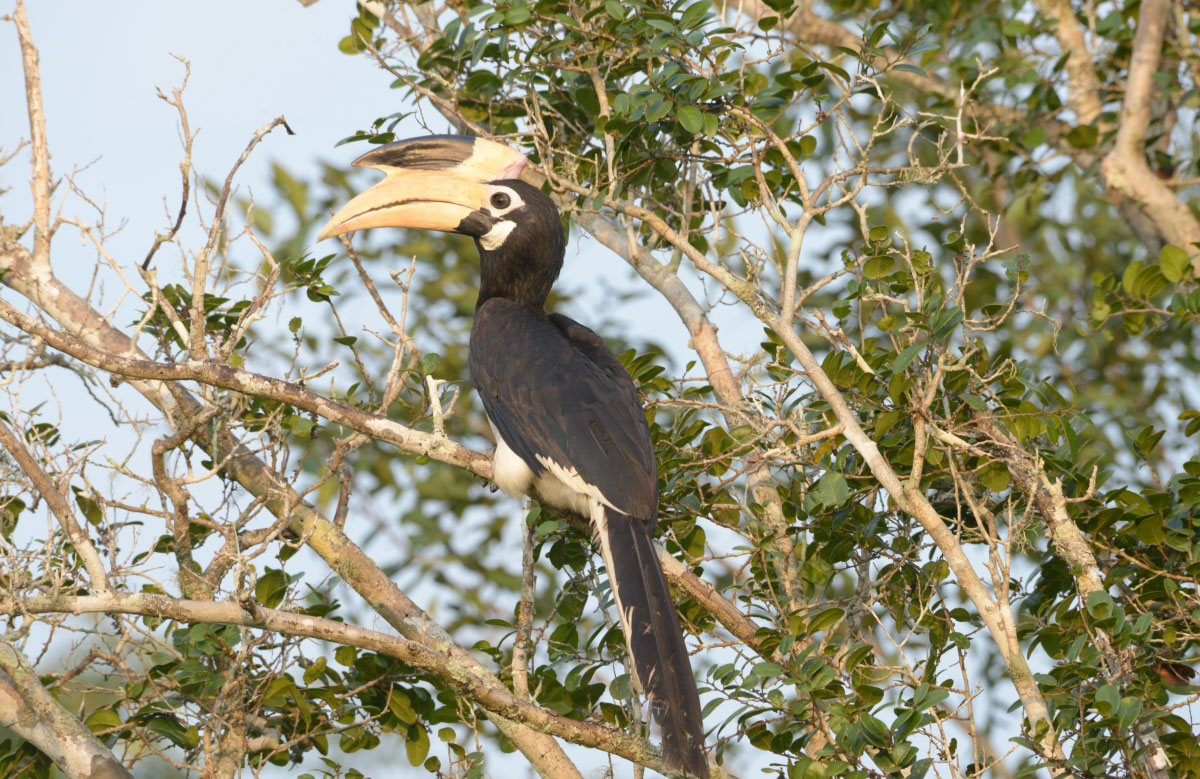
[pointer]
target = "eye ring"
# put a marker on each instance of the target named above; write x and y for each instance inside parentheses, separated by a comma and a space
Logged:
(501, 200)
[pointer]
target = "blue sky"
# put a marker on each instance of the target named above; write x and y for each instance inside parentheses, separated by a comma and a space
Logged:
(251, 62)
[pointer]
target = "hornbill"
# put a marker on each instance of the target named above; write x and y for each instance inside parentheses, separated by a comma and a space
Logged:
(570, 431)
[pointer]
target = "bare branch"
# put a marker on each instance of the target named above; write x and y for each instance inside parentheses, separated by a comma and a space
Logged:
(37, 129)
(198, 348)
(57, 501)
(185, 167)
(29, 709)
(1125, 169)
(448, 666)
(328, 541)
(1083, 88)
(221, 375)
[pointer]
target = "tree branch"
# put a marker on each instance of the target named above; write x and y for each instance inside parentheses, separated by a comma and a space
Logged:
(358, 570)
(31, 712)
(1083, 88)
(1125, 169)
(57, 501)
(252, 384)
(700, 328)
(197, 347)
(37, 130)
(448, 666)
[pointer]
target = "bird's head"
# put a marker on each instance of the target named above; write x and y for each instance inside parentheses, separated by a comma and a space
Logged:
(470, 186)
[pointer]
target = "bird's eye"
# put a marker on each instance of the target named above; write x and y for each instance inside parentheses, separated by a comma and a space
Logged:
(501, 200)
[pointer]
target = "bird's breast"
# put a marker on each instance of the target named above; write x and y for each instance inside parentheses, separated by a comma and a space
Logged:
(509, 471)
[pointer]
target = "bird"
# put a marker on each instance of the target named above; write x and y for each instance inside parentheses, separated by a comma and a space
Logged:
(569, 427)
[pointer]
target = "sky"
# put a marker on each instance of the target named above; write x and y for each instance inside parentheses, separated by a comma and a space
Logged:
(250, 62)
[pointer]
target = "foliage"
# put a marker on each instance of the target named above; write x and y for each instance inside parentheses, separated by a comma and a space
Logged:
(941, 465)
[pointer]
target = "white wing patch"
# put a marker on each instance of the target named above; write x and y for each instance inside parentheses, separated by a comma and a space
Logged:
(492, 239)
(581, 493)
(558, 486)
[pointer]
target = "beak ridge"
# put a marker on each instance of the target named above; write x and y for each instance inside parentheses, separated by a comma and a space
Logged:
(434, 182)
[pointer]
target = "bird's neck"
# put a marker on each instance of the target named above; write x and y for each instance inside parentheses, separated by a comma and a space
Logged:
(523, 279)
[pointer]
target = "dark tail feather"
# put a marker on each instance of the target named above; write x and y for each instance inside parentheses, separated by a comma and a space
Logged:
(654, 638)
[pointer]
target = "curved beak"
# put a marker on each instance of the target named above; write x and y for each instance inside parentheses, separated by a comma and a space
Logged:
(435, 183)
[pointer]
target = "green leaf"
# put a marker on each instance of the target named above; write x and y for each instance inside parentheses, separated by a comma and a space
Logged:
(1173, 262)
(694, 15)
(314, 671)
(619, 687)
(885, 422)
(931, 698)
(856, 656)
(831, 489)
(767, 669)
(825, 619)
(1129, 277)
(904, 358)
(1108, 698)
(908, 67)
(1034, 138)
(690, 118)
(1083, 137)
(513, 17)
(90, 508)
(400, 704)
(878, 266)
(869, 693)
(170, 729)
(876, 733)
(1100, 604)
(103, 719)
(417, 745)
(995, 477)
(351, 45)
(806, 768)
(271, 588)
(1128, 711)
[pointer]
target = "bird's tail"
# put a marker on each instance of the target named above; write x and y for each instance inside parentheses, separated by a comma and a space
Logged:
(652, 634)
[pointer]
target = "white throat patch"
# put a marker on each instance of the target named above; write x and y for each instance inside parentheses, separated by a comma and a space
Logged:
(492, 239)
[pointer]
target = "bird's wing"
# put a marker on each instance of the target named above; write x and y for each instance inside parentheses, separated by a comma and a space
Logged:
(563, 403)
(560, 399)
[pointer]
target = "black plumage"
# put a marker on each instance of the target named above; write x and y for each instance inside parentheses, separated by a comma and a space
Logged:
(570, 428)
(555, 392)
(559, 402)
